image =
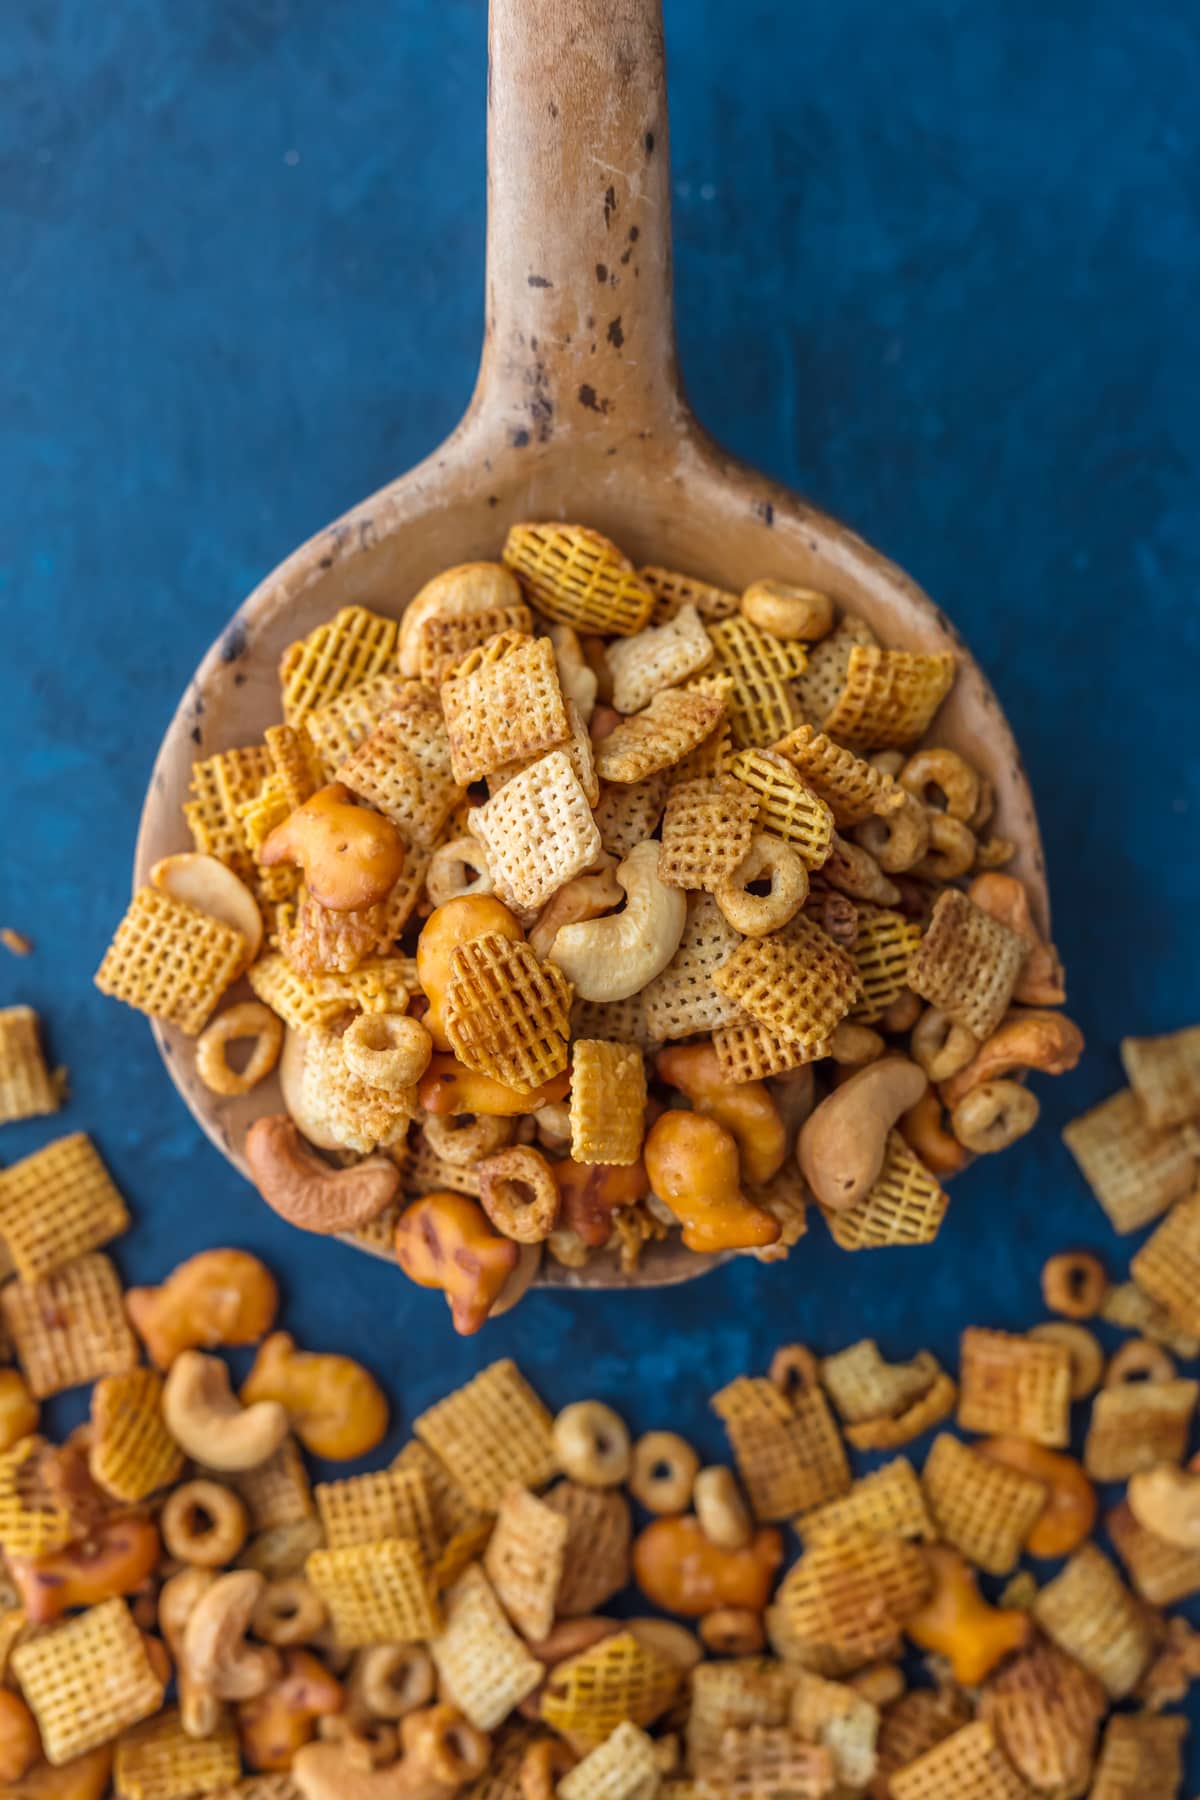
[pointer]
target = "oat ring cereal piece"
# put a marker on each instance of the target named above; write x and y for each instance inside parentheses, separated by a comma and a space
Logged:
(394, 1679)
(1082, 1346)
(387, 1050)
(457, 868)
(519, 1194)
(732, 1631)
(289, 1611)
(768, 859)
(465, 1138)
(1074, 1284)
(952, 849)
(937, 773)
(591, 1443)
(898, 839)
(793, 1369)
(993, 1116)
(663, 1472)
(204, 1524)
(1138, 1360)
(249, 1020)
(541, 1766)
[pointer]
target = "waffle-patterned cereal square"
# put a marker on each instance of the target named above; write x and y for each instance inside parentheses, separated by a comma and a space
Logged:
(863, 1385)
(758, 1761)
(70, 1327)
(761, 707)
(277, 1493)
(618, 1679)
(614, 1021)
(829, 1714)
(747, 1051)
(967, 963)
(1129, 1308)
(131, 1454)
(1141, 1757)
(446, 639)
(851, 787)
(627, 813)
(596, 1551)
(221, 787)
(384, 1503)
(1014, 1385)
(706, 831)
(578, 750)
(27, 1088)
(817, 687)
(882, 952)
(403, 768)
(1161, 1573)
(351, 647)
(34, 1519)
(1135, 1171)
(1089, 1612)
(87, 1680)
(659, 657)
(659, 736)
(484, 1668)
(58, 1204)
(159, 1761)
(376, 1593)
(339, 727)
(683, 1000)
(1046, 1711)
(306, 1005)
(889, 1502)
(889, 697)
(797, 983)
(1168, 1265)
(623, 1767)
(491, 1434)
(983, 1508)
(503, 704)
(1135, 1424)
(524, 1561)
(1164, 1073)
(507, 1014)
(170, 961)
(969, 1765)
(671, 590)
(916, 1722)
(577, 577)
(538, 831)
(852, 1592)
(905, 1205)
(787, 807)
(734, 1693)
(789, 1452)
(608, 1102)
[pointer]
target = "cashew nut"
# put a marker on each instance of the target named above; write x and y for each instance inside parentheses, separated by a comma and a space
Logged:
(788, 611)
(210, 1424)
(1003, 897)
(213, 889)
(586, 897)
(351, 856)
(454, 593)
(200, 1710)
(615, 957)
(1047, 1041)
(215, 1652)
(1166, 1501)
(841, 1147)
(305, 1191)
(456, 870)
(578, 680)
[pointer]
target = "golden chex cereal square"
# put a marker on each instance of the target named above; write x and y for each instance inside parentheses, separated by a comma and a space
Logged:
(1128, 1307)
(1161, 1573)
(170, 961)
(87, 1680)
(597, 1549)
(1168, 1265)
(403, 767)
(882, 952)
(905, 1206)
(615, 1021)
(1135, 1171)
(1164, 1073)
(623, 1767)
(1141, 1757)
(967, 963)
(797, 982)
(33, 1519)
(659, 736)
(618, 1679)
(608, 1102)
(707, 829)
(446, 639)
(762, 707)
(916, 1722)
(758, 1760)
(507, 1014)
(672, 590)
(538, 831)
(852, 1591)
(352, 646)
(789, 1452)
(659, 657)
(852, 788)
(889, 697)
(277, 1493)
(1046, 1711)
(683, 1000)
(889, 1501)
(627, 813)
(822, 680)
(384, 1503)
(734, 1692)
(1136, 1424)
(524, 1561)
(376, 1593)
(1010, 1385)
(27, 1088)
(58, 1204)
(484, 1668)
(503, 704)
(339, 727)
(969, 1765)
(1089, 1612)
(221, 786)
(983, 1508)
(491, 1434)
(70, 1327)
(578, 751)
(747, 1051)
(578, 577)
(159, 1761)
(830, 1715)
(787, 807)
(131, 1453)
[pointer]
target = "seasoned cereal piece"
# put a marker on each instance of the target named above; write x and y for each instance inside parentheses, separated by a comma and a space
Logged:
(889, 1502)
(524, 1561)
(796, 982)
(351, 647)
(921, 1416)
(627, 813)
(376, 1593)
(579, 578)
(1046, 1711)
(27, 1089)
(1141, 1757)
(673, 724)
(484, 1668)
(969, 1765)
(984, 1508)
(672, 590)
(445, 639)
(277, 1493)
(1126, 1306)
(170, 961)
(883, 948)
(220, 787)
(661, 656)
(131, 1454)
(1164, 1073)
(787, 807)
(70, 1327)
(834, 1716)
(863, 1385)
(707, 829)
(608, 1102)
(889, 697)
(624, 1767)
(33, 1519)
(58, 1204)
(852, 788)
(734, 1693)
(538, 832)
(1135, 1171)
(747, 1051)
(788, 1450)
(1135, 1424)
(1089, 1612)
(822, 680)
(1167, 1266)
(158, 1760)
(967, 964)
(597, 1547)
(503, 704)
(618, 1679)
(683, 1000)
(916, 1722)
(906, 1205)
(852, 1592)
(761, 706)
(1016, 1386)
(384, 1503)
(492, 1434)
(87, 1680)
(507, 1014)
(763, 1760)
(1161, 1573)
(403, 767)
(339, 727)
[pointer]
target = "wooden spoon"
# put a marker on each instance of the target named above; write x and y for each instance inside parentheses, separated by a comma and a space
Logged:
(578, 414)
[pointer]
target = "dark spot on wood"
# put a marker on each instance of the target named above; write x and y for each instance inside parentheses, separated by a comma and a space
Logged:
(326, 562)
(625, 256)
(610, 205)
(552, 108)
(518, 439)
(590, 322)
(648, 140)
(239, 678)
(602, 273)
(588, 397)
(233, 644)
(197, 735)
(493, 499)
(615, 335)
(539, 281)
(765, 511)
(533, 343)
(634, 234)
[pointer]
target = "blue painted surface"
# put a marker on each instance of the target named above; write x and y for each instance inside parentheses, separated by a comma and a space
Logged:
(937, 267)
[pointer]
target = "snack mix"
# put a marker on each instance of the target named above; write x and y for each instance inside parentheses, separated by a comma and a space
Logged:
(589, 905)
(528, 1607)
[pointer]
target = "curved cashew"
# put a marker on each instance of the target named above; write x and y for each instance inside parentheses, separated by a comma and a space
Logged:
(841, 1147)
(1048, 1041)
(577, 679)
(1166, 1501)
(614, 957)
(210, 1424)
(199, 1708)
(215, 1652)
(587, 897)
(305, 1191)
(453, 593)
(1040, 981)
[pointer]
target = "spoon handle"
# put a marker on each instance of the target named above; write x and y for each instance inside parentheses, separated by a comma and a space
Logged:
(580, 337)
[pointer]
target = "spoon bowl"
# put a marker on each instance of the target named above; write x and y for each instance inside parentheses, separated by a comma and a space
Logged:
(578, 414)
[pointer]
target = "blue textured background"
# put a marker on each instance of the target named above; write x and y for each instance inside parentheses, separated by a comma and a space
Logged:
(937, 267)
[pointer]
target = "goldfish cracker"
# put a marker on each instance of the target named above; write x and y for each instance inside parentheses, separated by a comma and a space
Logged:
(679, 1570)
